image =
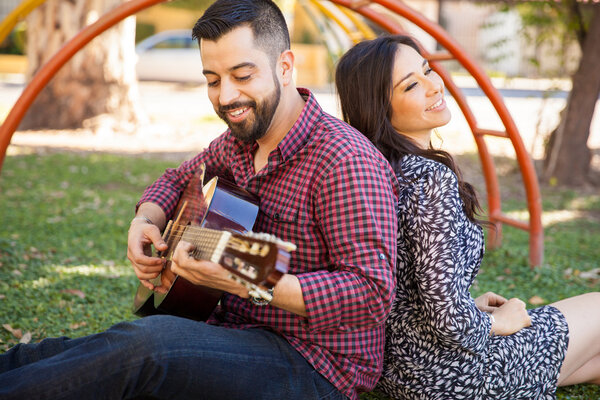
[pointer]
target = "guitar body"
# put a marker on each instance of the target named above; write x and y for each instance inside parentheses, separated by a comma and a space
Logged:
(219, 206)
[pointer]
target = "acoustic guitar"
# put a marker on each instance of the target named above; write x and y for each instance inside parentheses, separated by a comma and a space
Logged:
(217, 219)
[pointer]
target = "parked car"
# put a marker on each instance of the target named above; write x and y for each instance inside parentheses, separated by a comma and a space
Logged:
(169, 56)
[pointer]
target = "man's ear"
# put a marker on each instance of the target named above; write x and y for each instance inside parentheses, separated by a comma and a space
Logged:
(286, 65)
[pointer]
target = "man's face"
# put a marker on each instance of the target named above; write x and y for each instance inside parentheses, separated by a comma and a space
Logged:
(242, 85)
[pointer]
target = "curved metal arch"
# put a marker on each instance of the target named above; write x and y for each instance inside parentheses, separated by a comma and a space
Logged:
(16, 15)
(534, 226)
(48, 70)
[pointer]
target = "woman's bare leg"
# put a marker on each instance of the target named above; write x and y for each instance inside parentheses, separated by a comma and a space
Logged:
(582, 361)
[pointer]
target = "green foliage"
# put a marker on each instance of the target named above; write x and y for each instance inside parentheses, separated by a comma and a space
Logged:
(552, 26)
(64, 271)
(14, 43)
(63, 266)
(143, 30)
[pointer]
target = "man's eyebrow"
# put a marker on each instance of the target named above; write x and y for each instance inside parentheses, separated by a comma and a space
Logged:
(232, 69)
(409, 74)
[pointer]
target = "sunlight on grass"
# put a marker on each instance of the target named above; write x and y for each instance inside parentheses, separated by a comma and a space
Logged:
(586, 203)
(41, 283)
(64, 271)
(550, 217)
(108, 271)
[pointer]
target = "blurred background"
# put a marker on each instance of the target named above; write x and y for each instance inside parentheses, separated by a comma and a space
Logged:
(531, 50)
(133, 102)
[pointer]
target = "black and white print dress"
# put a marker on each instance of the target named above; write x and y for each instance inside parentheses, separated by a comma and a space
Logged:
(438, 344)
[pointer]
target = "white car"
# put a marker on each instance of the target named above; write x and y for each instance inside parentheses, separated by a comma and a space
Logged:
(169, 56)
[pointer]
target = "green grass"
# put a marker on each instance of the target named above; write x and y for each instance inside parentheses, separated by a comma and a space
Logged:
(63, 268)
(63, 244)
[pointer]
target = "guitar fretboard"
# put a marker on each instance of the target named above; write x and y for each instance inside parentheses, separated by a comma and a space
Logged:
(209, 243)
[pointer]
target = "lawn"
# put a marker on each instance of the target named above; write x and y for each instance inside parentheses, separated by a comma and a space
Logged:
(63, 268)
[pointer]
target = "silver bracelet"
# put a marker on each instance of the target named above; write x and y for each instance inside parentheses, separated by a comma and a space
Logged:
(142, 218)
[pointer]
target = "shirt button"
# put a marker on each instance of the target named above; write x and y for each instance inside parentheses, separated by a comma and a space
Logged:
(381, 256)
(276, 216)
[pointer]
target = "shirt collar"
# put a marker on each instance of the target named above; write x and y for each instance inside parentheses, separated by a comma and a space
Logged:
(297, 136)
(300, 133)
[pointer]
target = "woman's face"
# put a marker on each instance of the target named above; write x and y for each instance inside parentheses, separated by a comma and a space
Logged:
(418, 104)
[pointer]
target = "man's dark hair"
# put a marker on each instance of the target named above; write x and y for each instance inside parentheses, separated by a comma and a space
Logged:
(262, 16)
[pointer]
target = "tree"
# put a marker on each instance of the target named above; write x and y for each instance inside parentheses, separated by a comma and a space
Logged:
(568, 157)
(98, 84)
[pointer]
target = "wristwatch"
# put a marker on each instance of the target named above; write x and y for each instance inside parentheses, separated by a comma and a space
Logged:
(261, 298)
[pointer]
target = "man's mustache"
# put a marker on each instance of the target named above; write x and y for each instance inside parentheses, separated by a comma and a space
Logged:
(237, 104)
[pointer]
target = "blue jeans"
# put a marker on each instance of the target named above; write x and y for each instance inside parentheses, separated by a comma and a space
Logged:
(162, 357)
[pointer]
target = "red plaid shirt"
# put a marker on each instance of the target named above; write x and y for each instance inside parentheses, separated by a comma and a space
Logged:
(329, 191)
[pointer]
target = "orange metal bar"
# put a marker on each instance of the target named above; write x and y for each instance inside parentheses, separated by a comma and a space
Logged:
(526, 165)
(48, 70)
(491, 132)
(487, 162)
(534, 201)
(511, 221)
(440, 57)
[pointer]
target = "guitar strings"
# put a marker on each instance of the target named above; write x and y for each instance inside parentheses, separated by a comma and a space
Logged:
(205, 240)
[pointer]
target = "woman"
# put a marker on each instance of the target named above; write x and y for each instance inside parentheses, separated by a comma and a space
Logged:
(442, 343)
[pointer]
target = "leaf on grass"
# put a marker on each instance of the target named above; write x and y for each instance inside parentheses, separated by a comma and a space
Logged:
(77, 325)
(591, 274)
(568, 273)
(76, 292)
(26, 338)
(15, 332)
(536, 301)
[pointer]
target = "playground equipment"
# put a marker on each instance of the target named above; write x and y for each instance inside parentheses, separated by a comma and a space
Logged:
(345, 16)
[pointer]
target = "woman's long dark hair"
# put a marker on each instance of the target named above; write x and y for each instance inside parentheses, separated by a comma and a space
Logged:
(363, 79)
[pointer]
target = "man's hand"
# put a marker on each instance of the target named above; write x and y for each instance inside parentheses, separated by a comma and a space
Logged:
(142, 236)
(205, 273)
(489, 302)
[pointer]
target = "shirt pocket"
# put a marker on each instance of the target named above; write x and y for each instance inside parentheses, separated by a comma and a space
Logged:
(280, 213)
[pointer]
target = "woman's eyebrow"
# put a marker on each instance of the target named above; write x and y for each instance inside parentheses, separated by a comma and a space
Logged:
(409, 74)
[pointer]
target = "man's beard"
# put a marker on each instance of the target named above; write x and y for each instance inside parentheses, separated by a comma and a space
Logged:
(247, 130)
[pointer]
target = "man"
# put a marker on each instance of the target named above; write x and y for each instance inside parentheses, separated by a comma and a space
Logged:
(321, 186)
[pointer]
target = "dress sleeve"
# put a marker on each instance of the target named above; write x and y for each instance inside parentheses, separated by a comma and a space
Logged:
(433, 224)
(356, 214)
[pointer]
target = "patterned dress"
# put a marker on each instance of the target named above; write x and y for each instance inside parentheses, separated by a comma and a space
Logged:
(438, 344)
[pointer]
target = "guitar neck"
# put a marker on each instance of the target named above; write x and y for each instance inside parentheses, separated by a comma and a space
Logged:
(209, 244)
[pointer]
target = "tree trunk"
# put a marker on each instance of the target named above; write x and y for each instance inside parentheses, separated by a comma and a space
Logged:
(98, 84)
(567, 160)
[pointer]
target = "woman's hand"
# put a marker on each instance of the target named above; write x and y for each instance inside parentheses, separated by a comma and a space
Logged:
(510, 318)
(489, 302)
